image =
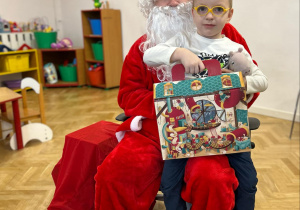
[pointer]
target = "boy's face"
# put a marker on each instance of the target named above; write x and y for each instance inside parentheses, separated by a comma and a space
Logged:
(211, 26)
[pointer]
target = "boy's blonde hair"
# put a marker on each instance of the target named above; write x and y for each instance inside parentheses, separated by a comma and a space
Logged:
(230, 3)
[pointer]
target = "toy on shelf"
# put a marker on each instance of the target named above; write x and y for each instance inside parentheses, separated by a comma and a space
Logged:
(105, 5)
(97, 4)
(4, 26)
(96, 67)
(14, 27)
(50, 73)
(48, 29)
(40, 24)
(64, 43)
(102, 4)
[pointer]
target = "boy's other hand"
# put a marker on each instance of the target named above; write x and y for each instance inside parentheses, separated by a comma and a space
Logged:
(191, 62)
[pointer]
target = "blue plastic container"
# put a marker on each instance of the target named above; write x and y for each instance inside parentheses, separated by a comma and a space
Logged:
(96, 26)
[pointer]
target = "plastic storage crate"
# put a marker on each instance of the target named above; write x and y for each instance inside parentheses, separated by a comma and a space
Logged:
(15, 62)
(13, 84)
(98, 51)
(68, 73)
(96, 76)
(45, 39)
(96, 26)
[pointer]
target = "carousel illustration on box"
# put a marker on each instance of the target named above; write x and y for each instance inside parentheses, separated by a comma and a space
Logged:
(203, 116)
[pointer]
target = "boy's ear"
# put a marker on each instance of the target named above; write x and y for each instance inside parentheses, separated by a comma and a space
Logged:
(230, 14)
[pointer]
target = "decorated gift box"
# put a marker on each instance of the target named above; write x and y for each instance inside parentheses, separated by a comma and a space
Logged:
(203, 116)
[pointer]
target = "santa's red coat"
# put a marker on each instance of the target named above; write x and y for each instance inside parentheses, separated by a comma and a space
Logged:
(129, 177)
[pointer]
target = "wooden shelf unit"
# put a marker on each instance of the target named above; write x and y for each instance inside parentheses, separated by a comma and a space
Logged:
(57, 57)
(112, 44)
(33, 70)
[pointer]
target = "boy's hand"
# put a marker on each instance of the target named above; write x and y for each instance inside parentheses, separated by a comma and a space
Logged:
(191, 62)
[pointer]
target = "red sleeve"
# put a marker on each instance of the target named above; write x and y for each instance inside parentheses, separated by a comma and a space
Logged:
(230, 32)
(136, 86)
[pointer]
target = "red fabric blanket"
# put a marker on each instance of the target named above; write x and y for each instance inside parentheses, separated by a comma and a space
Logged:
(73, 175)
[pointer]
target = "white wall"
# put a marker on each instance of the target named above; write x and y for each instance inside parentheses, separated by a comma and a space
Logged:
(271, 29)
(25, 11)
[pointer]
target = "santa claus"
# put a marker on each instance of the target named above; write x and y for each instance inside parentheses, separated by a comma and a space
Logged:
(130, 176)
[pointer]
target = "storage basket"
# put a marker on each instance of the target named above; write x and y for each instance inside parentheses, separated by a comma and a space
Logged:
(96, 26)
(45, 39)
(98, 51)
(15, 62)
(96, 76)
(12, 84)
(68, 73)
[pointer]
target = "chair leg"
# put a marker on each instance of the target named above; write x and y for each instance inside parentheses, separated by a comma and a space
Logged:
(1, 137)
(32, 131)
(295, 112)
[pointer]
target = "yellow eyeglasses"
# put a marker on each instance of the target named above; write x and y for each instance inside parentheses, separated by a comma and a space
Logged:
(203, 10)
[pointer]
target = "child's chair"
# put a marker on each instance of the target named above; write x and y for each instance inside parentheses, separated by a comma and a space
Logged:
(30, 131)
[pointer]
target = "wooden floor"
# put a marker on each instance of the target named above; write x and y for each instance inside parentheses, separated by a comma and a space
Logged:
(25, 175)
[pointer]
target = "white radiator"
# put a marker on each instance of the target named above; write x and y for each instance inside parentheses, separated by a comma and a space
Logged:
(16, 40)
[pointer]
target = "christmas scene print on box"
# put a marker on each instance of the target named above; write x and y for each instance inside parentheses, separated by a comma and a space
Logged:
(203, 116)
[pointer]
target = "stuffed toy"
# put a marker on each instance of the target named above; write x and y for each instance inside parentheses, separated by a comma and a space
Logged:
(238, 61)
(64, 43)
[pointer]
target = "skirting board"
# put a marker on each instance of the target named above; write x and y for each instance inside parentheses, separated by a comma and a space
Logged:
(275, 113)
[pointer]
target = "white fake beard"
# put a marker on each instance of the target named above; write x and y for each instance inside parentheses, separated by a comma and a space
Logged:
(162, 24)
(165, 22)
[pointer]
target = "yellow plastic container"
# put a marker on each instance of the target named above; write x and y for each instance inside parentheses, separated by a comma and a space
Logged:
(16, 62)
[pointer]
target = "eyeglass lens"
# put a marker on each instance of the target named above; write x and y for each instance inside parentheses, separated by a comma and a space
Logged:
(203, 10)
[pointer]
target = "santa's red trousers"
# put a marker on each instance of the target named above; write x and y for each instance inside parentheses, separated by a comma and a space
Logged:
(129, 177)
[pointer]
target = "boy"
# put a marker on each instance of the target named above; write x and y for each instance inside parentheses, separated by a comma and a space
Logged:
(209, 16)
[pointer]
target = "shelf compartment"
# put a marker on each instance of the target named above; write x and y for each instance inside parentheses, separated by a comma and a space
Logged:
(89, 55)
(91, 14)
(32, 69)
(58, 57)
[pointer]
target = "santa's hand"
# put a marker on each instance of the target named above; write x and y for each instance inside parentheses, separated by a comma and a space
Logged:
(227, 71)
(191, 62)
(230, 71)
